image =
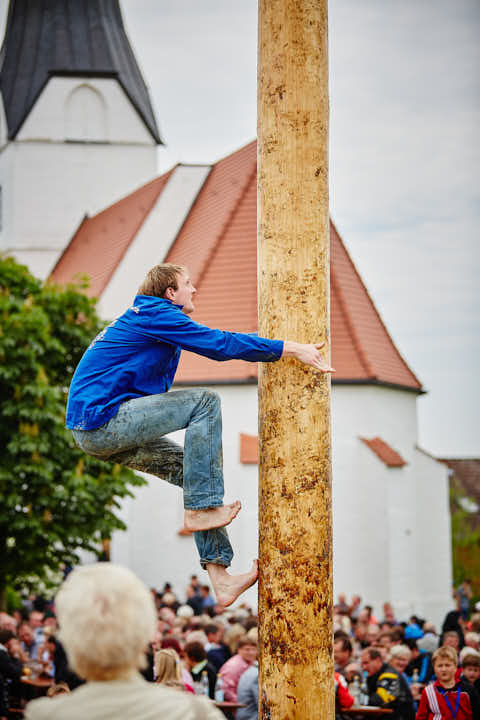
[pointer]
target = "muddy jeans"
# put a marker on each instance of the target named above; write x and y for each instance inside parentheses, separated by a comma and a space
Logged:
(134, 437)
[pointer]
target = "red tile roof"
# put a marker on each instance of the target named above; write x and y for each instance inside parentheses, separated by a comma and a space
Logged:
(101, 241)
(384, 452)
(218, 243)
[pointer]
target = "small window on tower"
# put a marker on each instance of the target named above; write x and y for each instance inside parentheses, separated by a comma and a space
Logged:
(86, 115)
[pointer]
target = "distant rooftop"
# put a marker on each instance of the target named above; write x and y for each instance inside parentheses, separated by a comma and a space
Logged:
(66, 37)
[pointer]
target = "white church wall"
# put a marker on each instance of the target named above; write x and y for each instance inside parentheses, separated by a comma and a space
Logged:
(51, 117)
(52, 181)
(434, 551)
(154, 238)
(373, 506)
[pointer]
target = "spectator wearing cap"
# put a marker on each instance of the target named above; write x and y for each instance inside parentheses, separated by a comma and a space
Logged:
(413, 631)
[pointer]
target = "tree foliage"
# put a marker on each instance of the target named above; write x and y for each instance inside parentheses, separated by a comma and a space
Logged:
(54, 498)
(465, 536)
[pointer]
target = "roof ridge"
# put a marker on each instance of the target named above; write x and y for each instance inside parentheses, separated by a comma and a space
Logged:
(348, 319)
(227, 222)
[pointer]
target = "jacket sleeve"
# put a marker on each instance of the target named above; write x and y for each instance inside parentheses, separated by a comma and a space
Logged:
(423, 707)
(10, 667)
(387, 690)
(174, 327)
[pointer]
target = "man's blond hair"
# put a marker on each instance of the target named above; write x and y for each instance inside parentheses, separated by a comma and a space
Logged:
(160, 278)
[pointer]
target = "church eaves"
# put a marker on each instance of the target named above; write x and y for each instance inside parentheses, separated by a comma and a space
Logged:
(46, 38)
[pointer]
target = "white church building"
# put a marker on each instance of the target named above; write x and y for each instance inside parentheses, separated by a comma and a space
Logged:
(80, 195)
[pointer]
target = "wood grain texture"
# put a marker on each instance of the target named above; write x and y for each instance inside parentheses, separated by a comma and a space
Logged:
(295, 586)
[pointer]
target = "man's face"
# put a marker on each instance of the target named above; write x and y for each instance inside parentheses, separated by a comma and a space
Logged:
(372, 634)
(36, 619)
(371, 665)
(399, 662)
(184, 293)
(472, 673)
(248, 653)
(26, 634)
(340, 655)
(445, 670)
(452, 641)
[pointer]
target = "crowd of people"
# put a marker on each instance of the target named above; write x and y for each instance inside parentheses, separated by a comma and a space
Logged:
(407, 666)
(201, 649)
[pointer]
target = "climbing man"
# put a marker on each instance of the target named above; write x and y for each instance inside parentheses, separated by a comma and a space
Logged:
(120, 408)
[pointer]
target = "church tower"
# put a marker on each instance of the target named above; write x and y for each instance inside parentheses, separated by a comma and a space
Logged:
(77, 128)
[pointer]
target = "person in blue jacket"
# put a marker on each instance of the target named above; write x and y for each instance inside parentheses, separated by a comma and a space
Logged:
(120, 408)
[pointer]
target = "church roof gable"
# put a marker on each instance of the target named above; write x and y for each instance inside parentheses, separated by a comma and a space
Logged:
(218, 243)
(66, 37)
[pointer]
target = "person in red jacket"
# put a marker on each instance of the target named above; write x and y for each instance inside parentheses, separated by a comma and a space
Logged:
(343, 699)
(447, 698)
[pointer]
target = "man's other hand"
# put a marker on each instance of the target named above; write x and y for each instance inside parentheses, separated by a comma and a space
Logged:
(308, 354)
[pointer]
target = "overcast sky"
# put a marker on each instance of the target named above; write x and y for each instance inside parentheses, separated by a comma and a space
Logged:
(404, 161)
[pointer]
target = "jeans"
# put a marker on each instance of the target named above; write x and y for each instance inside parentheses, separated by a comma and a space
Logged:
(134, 437)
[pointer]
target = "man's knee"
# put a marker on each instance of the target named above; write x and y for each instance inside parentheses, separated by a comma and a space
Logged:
(211, 397)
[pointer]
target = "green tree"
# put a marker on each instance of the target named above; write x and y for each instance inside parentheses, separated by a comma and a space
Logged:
(54, 498)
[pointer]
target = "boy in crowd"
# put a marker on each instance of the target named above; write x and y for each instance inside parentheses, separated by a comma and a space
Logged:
(446, 698)
(471, 669)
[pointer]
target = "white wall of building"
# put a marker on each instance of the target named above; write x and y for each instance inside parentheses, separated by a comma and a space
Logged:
(82, 147)
(154, 238)
(383, 548)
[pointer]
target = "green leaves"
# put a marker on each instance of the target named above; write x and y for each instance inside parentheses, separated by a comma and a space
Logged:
(54, 498)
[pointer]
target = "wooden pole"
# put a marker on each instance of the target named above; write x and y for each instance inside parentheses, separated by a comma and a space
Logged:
(295, 585)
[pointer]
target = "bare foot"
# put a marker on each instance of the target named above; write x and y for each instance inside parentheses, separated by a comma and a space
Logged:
(211, 517)
(228, 587)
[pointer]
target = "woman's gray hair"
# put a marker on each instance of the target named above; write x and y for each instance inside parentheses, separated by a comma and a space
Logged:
(400, 651)
(107, 618)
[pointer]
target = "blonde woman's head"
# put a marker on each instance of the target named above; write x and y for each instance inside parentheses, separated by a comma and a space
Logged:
(107, 619)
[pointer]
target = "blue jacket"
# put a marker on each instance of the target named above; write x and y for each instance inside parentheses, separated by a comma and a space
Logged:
(138, 355)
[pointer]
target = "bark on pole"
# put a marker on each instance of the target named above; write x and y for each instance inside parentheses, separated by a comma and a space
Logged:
(295, 584)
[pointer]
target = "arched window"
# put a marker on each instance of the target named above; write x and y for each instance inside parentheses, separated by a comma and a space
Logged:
(86, 115)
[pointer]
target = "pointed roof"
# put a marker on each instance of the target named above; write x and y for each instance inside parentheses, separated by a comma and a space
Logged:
(66, 37)
(218, 243)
